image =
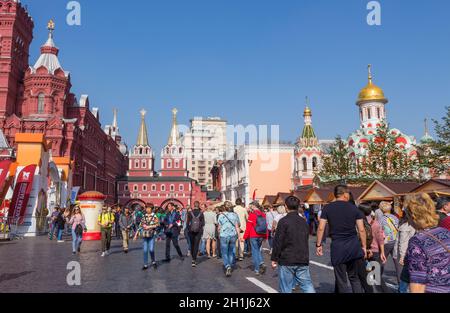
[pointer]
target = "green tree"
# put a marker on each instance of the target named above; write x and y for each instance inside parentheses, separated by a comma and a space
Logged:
(337, 164)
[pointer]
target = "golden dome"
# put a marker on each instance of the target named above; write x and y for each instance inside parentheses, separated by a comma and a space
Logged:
(371, 92)
(307, 112)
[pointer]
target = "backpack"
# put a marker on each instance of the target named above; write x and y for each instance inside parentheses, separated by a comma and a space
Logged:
(194, 226)
(369, 235)
(261, 225)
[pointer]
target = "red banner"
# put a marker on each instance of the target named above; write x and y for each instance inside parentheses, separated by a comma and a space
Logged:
(22, 192)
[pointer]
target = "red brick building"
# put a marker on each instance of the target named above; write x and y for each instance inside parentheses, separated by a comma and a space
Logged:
(38, 99)
(143, 185)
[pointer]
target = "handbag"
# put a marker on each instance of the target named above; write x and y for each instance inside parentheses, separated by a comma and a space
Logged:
(151, 232)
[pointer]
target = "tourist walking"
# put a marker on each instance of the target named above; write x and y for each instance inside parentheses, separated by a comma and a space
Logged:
(117, 229)
(78, 223)
(60, 224)
(347, 250)
(149, 224)
(243, 218)
(229, 230)
(195, 223)
(374, 241)
(291, 250)
(106, 222)
(53, 225)
(125, 223)
(256, 231)
(172, 228)
(184, 214)
(428, 254)
(405, 233)
(389, 223)
(209, 233)
(271, 215)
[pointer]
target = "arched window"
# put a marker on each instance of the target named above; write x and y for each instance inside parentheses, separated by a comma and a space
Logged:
(140, 150)
(153, 187)
(169, 164)
(144, 164)
(305, 164)
(177, 164)
(315, 163)
(126, 188)
(379, 113)
(41, 101)
(181, 187)
(369, 113)
(136, 164)
(172, 187)
(163, 187)
(181, 150)
(135, 188)
(144, 187)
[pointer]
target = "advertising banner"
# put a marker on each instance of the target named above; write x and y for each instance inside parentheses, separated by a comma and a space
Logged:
(22, 192)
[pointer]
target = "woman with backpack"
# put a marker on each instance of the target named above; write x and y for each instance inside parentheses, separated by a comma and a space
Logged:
(60, 223)
(257, 232)
(78, 223)
(195, 222)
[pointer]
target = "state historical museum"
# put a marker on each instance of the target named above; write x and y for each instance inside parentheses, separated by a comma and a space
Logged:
(37, 99)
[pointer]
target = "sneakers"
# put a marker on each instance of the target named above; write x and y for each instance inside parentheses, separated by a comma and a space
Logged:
(125, 251)
(241, 259)
(74, 253)
(145, 268)
(60, 241)
(188, 254)
(257, 273)
(228, 272)
(103, 254)
(262, 269)
(194, 264)
(155, 266)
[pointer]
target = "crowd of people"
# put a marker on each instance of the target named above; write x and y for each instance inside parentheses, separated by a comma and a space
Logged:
(416, 239)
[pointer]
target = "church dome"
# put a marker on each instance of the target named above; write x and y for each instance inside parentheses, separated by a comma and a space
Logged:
(371, 92)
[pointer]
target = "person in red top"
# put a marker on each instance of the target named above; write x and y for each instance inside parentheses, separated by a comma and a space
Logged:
(256, 231)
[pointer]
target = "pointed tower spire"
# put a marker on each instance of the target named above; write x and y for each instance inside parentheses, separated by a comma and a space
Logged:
(143, 136)
(308, 138)
(174, 137)
(427, 132)
(369, 69)
(115, 125)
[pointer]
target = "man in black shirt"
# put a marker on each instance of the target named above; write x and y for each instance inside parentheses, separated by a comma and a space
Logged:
(348, 251)
(291, 250)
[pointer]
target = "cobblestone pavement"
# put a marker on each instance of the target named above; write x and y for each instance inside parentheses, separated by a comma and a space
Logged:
(39, 265)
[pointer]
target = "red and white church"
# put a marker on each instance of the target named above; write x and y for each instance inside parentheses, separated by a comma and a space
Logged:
(143, 184)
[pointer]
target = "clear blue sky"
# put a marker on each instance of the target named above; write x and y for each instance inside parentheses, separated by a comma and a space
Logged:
(252, 61)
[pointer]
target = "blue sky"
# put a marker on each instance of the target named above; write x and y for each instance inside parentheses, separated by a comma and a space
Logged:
(252, 61)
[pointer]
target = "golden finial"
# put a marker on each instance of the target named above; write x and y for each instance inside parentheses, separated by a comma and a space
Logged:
(51, 25)
(174, 111)
(369, 68)
(307, 111)
(143, 112)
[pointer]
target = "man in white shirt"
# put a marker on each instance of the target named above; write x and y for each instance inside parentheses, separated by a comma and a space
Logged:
(243, 218)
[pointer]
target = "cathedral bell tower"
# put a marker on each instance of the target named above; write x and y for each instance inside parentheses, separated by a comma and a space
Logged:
(141, 156)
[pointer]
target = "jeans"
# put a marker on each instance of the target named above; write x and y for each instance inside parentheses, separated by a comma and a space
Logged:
(188, 238)
(290, 276)
(257, 257)
(228, 248)
(76, 241)
(403, 287)
(203, 247)
(60, 233)
(149, 246)
(53, 229)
